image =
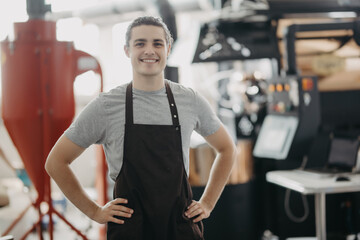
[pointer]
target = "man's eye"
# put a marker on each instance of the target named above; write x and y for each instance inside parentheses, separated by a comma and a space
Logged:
(158, 44)
(139, 44)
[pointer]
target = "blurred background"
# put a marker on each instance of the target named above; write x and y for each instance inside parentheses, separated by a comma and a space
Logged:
(282, 75)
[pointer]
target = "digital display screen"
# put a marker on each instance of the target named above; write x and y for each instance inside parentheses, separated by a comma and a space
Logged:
(343, 152)
(274, 139)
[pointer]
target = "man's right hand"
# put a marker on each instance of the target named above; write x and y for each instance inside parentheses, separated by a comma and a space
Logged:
(111, 210)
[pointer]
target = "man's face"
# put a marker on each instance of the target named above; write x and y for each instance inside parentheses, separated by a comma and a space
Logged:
(147, 50)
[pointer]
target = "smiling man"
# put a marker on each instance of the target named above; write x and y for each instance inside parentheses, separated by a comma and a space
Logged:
(145, 128)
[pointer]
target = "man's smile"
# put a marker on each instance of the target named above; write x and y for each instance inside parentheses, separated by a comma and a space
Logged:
(149, 60)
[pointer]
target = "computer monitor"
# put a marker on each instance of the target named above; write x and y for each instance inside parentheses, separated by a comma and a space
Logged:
(343, 153)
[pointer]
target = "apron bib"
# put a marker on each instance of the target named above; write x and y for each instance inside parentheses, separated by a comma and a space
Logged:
(154, 181)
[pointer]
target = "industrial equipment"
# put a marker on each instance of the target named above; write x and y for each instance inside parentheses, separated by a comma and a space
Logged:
(298, 130)
(293, 118)
(226, 40)
(38, 100)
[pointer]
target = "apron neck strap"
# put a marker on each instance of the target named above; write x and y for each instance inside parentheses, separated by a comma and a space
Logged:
(129, 114)
(129, 105)
(173, 109)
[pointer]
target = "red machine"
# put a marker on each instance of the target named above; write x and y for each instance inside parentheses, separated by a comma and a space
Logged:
(38, 101)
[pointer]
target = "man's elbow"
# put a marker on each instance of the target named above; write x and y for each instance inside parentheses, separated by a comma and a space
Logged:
(229, 152)
(230, 149)
(233, 152)
(50, 165)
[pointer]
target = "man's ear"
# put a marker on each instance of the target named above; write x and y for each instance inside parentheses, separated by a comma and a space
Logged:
(127, 51)
(168, 50)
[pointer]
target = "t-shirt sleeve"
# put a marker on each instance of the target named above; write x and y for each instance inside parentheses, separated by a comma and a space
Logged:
(90, 125)
(208, 123)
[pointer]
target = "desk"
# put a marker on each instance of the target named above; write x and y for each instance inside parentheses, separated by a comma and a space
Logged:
(309, 183)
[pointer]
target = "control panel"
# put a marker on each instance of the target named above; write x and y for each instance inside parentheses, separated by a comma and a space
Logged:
(293, 118)
(289, 95)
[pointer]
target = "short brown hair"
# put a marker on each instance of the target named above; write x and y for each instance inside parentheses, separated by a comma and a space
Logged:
(148, 20)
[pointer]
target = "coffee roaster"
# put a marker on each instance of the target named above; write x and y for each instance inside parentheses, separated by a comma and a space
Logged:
(38, 74)
(297, 132)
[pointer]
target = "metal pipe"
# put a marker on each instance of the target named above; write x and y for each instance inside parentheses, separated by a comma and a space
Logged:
(37, 9)
(113, 7)
(104, 9)
(118, 7)
(194, 5)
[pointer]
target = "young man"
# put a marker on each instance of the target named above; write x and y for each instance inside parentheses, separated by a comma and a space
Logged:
(145, 128)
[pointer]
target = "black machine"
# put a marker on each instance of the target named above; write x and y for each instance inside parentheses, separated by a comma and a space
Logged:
(285, 137)
(293, 118)
(224, 40)
(300, 121)
(303, 122)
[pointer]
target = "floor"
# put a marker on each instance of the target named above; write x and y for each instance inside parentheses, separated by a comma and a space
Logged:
(19, 200)
(62, 231)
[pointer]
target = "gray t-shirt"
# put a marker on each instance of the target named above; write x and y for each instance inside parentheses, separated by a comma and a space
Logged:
(102, 121)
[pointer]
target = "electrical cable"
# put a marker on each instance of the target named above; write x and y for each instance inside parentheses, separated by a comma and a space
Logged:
(288, 211)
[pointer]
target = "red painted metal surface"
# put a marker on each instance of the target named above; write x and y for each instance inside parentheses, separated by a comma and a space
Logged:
(101, 184)
(37, 97)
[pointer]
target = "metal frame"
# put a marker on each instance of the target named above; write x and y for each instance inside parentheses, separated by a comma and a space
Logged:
(290, 37)
(279, 8)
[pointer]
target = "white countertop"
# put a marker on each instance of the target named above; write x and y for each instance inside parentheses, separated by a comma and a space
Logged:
(310, 183)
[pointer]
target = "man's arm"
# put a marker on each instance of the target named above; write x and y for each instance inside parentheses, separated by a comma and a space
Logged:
(220, 172)
(58, 167)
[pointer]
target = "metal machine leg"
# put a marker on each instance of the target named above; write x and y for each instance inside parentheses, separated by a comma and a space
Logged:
(320, 215)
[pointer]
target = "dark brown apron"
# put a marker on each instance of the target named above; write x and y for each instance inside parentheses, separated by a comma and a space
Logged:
(154, 181)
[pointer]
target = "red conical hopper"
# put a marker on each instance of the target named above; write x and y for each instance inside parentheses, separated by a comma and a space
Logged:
(37, 94)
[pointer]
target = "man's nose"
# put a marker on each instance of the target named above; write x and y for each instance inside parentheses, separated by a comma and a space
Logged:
(149, 50)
